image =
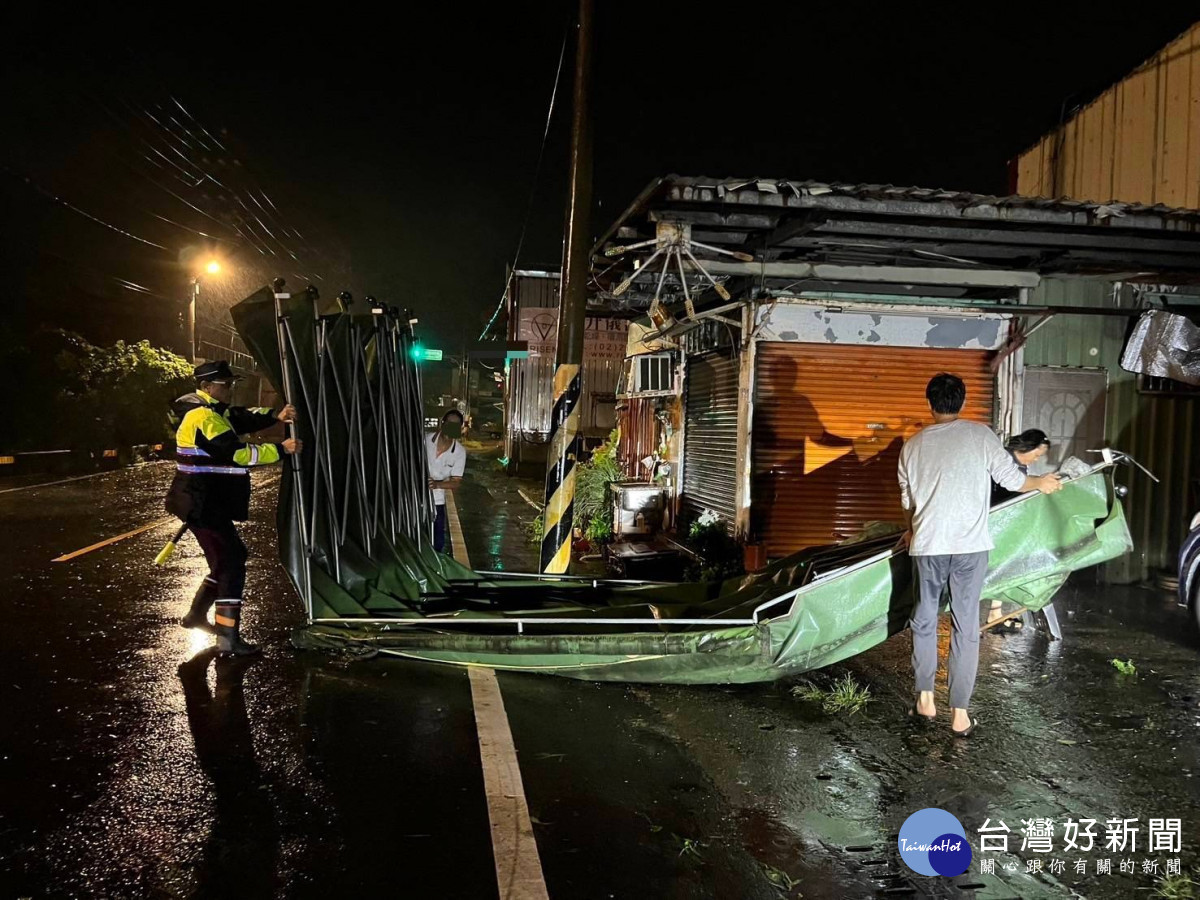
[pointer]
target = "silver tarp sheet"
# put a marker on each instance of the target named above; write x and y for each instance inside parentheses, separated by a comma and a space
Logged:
(1164, 344)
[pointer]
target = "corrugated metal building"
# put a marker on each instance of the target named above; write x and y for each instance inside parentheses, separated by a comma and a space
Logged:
(1139, 141)
(800, 389)
(532, 314)
(1160, 428)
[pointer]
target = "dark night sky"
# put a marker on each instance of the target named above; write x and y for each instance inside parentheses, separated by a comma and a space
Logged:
(406, 145)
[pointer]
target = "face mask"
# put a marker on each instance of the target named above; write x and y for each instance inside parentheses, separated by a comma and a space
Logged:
(451, 429)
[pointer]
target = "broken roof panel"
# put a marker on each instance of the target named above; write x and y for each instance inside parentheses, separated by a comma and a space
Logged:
(818, 223)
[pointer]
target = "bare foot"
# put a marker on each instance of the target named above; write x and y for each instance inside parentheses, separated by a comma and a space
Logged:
(925, 706)
(960, 720)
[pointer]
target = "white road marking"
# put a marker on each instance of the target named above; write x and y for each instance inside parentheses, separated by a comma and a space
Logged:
(518, 866)
(113, 540)
(457, 545)
(514, 847)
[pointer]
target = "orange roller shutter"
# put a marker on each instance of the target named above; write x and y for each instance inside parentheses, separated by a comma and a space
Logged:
(829, 421)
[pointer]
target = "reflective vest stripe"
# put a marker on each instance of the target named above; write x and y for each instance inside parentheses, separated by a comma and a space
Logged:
(211, 470)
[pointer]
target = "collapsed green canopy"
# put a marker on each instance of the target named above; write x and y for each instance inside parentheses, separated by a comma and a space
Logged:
(810, 610)
(354, 536)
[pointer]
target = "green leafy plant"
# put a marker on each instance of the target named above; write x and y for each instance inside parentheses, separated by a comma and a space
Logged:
(598, 531)
(78, 395)
(534, 531)
(845, 695)
(720, 556)
(1177, 887)
(1125, 668)
(692, 848)
(781, 879)
(810, 692)
(593, 494)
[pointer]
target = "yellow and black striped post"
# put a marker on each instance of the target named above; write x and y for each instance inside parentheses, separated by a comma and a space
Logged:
(572, 309)
(560, 476)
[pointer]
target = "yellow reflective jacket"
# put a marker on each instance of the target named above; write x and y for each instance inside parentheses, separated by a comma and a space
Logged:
(212, 482)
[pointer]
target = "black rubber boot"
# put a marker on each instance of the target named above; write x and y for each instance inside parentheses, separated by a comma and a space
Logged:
(229, 639)
(197, 616)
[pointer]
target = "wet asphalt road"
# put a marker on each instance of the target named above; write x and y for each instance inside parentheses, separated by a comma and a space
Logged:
(126, 774)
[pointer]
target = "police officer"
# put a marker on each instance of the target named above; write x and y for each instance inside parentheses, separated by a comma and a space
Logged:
(211, 491)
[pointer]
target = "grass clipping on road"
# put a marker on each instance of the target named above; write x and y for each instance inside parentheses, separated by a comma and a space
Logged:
(1125, 668)
(1181, 886)
(845, 695)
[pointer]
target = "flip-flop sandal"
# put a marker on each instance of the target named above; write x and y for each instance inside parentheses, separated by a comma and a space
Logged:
(919, 718)
(966, 732)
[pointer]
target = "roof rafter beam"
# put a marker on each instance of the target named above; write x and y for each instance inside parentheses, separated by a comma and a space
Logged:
(891, 274)
(1180, 242)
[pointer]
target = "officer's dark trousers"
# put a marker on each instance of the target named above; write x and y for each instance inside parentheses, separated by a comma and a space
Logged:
(226, 555)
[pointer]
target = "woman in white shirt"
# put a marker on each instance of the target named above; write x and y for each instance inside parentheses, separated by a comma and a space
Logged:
(447, 461)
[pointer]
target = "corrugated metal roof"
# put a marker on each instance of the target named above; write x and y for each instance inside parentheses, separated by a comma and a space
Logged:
(841, 230)
(923, 201)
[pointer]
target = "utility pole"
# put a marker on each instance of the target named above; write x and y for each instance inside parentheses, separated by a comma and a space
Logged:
(191, 318)
(572, 309)
(466, 379)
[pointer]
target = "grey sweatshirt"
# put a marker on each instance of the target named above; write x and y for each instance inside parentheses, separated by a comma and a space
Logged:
(946, 474)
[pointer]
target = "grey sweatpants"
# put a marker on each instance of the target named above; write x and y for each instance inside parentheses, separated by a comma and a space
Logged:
(964, 573)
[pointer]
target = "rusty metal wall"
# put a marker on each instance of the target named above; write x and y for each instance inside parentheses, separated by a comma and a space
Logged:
(1162, 432)
(829, 422)
(639, 432)
(1139, 141)
(710, 437)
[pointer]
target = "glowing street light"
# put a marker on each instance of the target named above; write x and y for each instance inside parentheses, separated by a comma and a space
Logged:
(212, 267)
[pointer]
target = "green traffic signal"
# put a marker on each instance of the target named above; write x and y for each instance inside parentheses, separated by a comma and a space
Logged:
(424, 354)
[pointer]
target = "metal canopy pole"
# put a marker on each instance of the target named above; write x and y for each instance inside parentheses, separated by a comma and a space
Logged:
(572, 310)
(285, 363)
(324, 447)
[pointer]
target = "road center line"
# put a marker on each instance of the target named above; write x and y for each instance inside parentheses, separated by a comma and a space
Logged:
(514, 847)
(113, 540)
(120, 537)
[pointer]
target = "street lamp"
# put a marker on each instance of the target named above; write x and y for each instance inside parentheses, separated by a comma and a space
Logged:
(212, 267)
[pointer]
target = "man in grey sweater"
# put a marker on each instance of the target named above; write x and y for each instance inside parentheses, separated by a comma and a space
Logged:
(946, 474)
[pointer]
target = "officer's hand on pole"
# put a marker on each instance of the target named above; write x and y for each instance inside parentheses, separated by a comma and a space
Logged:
(287, 414)
(293, 445)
